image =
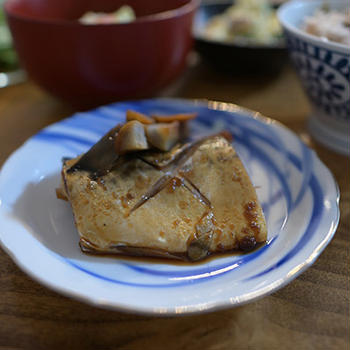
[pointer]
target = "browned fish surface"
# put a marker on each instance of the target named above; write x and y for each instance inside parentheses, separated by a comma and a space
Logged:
(196, 201)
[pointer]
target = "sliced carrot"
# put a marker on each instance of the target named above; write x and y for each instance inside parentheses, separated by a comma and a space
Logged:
(140, 117)
(174, 117)
(60, 194)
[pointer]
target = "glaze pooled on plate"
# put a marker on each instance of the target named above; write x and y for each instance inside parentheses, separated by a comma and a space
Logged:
(183, 200)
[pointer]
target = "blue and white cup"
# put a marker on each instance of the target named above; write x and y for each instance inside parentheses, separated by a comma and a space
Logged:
(324, 69)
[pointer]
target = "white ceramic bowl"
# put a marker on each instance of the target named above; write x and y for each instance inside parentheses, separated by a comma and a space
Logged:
(323, 67)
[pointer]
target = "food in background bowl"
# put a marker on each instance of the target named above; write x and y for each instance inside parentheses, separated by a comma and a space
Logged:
(329, 25)
(246, 22)
(124, 14)
(146, 189)
(239, 56)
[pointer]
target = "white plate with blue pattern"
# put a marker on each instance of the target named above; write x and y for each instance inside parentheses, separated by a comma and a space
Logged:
(298, 194)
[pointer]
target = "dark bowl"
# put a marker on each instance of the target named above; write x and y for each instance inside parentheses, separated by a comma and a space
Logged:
(233, 58)
(88, 65)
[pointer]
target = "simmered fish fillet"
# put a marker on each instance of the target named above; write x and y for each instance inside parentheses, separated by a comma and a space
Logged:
(190, 202)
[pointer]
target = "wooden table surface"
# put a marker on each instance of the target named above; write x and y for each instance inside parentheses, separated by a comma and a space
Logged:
(312, 312)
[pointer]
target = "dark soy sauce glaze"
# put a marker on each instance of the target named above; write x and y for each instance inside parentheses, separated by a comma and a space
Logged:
(174, 261)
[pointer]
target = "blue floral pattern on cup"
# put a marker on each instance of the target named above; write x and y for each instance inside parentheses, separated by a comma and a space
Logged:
(325, 76)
